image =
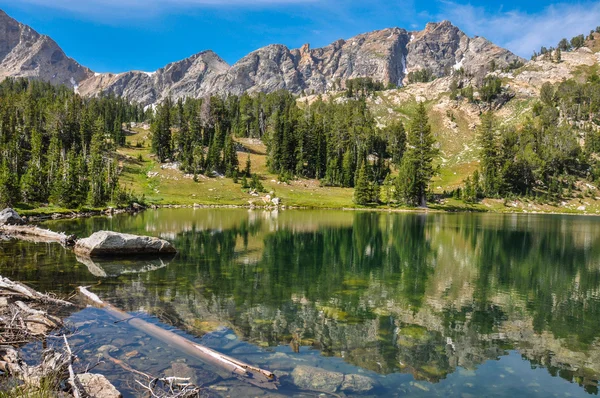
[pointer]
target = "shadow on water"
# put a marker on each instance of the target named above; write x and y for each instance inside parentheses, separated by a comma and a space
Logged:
(438, 304)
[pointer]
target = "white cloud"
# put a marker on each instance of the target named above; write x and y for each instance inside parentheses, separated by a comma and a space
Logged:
(522, 32)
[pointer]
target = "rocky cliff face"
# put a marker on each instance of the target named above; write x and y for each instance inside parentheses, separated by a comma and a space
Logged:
(442, 47)
(386, 55)
(26, 53)
(192, 77)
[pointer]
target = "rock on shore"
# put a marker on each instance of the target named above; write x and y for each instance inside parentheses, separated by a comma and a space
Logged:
(10, 217)
(107, 243)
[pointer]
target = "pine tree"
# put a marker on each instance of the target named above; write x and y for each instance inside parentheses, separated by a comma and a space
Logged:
(418, 163)
(348, 169)
(33, 182)
(230, 156)
(9, 188)
(161, 132)
(362, 189)
(97, 191)
(248, 169)
(395, 136)
(490, 161)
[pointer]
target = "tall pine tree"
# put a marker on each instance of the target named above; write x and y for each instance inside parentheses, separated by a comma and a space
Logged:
(417, 166)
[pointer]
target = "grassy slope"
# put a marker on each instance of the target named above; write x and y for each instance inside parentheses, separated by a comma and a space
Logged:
(170, 186)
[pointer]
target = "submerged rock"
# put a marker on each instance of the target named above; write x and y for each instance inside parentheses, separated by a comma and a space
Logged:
(106, 243)
(317, 379)
(10, 217)
(98, 386)
(357, 383)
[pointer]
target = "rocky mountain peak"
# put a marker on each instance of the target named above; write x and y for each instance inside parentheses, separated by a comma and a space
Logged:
(26, 53)
(386, 55)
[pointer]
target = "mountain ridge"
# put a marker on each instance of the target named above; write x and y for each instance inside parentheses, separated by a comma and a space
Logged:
(387, 55)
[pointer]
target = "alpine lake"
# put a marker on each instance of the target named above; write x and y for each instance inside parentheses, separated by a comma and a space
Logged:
(393, 304)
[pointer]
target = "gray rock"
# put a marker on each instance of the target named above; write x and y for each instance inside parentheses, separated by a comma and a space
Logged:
(357, 383)
(98, 386)
(105, 243)
(317, 379)
(26, 53)
(386, 55)
(10, 217)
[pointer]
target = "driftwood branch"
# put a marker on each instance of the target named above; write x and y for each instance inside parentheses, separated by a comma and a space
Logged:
(19, 289)
(36, 234)
(72, 376)
(253, 375)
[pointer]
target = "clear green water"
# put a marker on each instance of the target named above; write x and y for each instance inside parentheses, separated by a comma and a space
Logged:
(424, 305)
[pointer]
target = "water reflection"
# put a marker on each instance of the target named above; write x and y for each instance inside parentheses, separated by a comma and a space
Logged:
(426, 295)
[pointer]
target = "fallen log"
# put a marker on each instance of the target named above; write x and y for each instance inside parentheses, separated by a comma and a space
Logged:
(254, 375)
(38, 235)
(21, 290)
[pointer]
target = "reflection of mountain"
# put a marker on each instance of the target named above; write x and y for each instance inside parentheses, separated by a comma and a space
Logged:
(110, 267)
(422, 294)
(418, 294)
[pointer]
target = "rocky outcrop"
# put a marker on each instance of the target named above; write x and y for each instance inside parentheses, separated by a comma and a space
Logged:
(10, 217)
(26, 53)
(108, 243)
(442, 48)
(191, 77)
(386, 55)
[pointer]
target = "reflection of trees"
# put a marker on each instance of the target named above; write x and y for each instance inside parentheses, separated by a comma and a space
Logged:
(375, 288)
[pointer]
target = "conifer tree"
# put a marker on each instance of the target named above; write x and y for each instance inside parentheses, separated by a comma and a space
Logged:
(248, 169)
(230, 156)
(9, 189)
(417, 169)
(161, 132)
(362, 189)
(489, 155)
(97, 193)
(33, 182)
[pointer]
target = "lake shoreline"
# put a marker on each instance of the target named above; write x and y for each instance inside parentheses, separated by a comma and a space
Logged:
(37, 215)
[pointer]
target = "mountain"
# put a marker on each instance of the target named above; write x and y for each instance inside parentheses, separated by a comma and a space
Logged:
(26, 53)
(386, 55)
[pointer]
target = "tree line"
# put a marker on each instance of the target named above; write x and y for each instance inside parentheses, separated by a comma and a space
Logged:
(57, 147)
(334, 141)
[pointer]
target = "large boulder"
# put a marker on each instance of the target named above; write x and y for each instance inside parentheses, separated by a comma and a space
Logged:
(10, 217)
(108, 243)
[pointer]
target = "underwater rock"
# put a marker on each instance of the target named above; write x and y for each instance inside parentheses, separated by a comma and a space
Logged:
(357, 383)
(317, 379)
(98, 386)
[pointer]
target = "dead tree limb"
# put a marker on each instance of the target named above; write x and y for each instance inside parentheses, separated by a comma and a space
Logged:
(253, 375)
(35, 234)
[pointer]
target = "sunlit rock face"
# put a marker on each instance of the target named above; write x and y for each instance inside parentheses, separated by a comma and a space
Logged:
(26, 53)
(386, 56)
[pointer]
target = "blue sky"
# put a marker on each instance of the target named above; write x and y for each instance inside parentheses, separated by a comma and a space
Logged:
(120, 35)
